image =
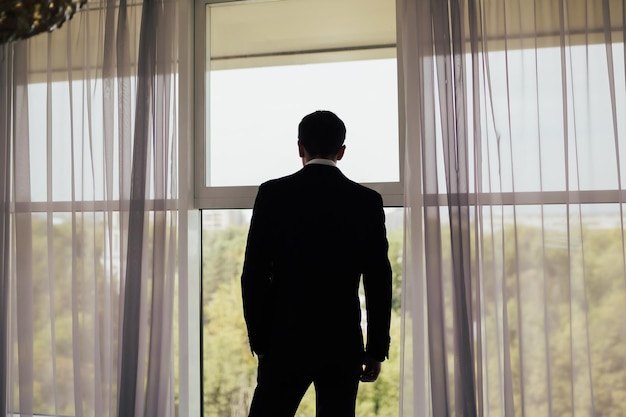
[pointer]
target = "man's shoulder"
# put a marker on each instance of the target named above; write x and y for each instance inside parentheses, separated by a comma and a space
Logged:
(364, 191)
(279, 182)
(303, 178)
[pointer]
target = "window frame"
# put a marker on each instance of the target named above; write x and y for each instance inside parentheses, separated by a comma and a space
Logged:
(242, 197)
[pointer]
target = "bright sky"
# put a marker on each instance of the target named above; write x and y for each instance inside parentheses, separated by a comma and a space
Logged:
(591, 143)
(254, 114)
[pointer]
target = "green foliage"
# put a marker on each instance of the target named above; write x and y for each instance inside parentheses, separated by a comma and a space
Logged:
(382, 397)
(395, 259)
(229, 367)
(73, 291)
(222, 258)
(565, 306)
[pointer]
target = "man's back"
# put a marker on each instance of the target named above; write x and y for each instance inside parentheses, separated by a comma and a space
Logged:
(320, 232)
(313, 235)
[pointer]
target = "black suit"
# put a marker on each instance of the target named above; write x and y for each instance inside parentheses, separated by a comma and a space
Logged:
(312, 236)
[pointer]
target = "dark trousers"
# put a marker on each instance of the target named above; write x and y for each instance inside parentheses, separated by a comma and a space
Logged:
(282, 382)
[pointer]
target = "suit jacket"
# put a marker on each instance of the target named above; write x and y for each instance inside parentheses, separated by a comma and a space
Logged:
(312, 236)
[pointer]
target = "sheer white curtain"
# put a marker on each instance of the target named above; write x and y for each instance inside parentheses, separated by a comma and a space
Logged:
(5, 224)
(88, 115)
(515, 282)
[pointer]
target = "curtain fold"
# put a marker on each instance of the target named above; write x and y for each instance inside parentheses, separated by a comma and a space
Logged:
(130, 365)
(514, 142)
(5, 217)
(89, 216)
(414, 387)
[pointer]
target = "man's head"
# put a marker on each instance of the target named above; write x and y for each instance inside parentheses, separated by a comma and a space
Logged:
(321, 135)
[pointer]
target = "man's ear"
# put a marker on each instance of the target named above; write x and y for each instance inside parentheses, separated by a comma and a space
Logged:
(300, 149)
(341, 151)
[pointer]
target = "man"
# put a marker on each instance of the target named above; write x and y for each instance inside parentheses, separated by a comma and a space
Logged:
(312, 236)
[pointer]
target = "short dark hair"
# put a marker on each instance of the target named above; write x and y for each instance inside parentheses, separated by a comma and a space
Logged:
(322, 133)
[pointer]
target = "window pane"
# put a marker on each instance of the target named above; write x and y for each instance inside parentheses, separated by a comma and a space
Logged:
(552, 277)
(548, 122)
(80, 149)
(257, 92)
(64, 311)
(229, 369)
(85, 145)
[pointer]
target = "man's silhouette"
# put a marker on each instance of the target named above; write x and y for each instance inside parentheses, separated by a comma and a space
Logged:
(312, 236)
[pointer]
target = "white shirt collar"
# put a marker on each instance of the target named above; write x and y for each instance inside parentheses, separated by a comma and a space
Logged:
(322, 161)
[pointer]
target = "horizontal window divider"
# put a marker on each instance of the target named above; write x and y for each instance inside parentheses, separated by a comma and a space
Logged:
(528, 198)
(242, 197)
(247, 202)
(393, 200)
(91, 206)
(390, 200)
(225, 203)
(541, 36)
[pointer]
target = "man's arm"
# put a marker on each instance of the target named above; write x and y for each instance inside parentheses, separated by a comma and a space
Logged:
(255, 278)
(377, 286)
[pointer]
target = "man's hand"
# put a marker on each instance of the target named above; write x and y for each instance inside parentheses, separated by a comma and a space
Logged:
(371, 369)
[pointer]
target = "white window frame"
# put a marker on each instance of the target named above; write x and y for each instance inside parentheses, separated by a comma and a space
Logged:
(242, 197)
